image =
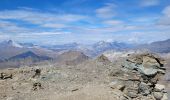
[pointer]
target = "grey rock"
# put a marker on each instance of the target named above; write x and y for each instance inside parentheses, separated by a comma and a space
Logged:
(5, 76)
(165, 96)
(117, 85)
(37, 73)
(37, 86)
(143, 71)
(146, 64)
(144, 89)
(103, 59)
(151, 65)
(158, 95)
(132, 93)
(130, 65)
(159, 87)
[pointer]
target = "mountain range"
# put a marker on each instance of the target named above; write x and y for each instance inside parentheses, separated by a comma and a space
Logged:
(11, 48)
(11, 51)
(158, 46)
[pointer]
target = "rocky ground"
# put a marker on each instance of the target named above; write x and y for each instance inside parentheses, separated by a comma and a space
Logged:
(133, 77)
(166, 79)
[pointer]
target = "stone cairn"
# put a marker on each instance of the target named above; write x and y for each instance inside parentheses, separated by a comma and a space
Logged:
(138, 77)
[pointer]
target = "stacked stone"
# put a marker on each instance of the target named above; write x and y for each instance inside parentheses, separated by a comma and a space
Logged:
(140, 76)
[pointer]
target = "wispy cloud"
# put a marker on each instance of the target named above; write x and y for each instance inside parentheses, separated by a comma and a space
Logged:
(10, 27)
(113, 22)
(165, 19)
(54, 25)
(41, 18)
(40, 34)
(4, 36)
(17, 23)
(166, 11)
(147, 3)
(107, 11)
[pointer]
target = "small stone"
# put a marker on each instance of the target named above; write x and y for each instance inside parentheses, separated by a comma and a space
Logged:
(117, 85)
(5, 76)
(37, 73)
(74, 90)
(159, 87)
(144, 89)
(165, 96)
(10, 98)
(37, 86)
(121, 87)
(158, 95)
(133, 93)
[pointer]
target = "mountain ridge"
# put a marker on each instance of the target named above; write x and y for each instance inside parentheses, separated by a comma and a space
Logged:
(29, 54)
(10, 48)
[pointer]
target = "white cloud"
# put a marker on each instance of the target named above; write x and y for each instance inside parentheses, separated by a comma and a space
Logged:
(32, 35)
(54, 25)
(113, 22)
(4, 36)
(48, 33)
(143, 37)
(10, 30)
(44, 20)
(166, 11)
(107, 11)
(40, 34)
(9, 27)
(5, 24)
(165, 19)
(40, 18)
(147, 3)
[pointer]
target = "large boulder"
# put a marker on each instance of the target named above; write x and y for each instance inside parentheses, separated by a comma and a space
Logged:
(147, 64)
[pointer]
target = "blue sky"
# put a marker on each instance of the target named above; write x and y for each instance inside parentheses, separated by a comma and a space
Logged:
(84, 21)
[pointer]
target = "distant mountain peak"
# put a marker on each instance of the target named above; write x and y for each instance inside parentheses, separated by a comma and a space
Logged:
(101, 42)
(9, 41)
(72, 57)
(12, 43)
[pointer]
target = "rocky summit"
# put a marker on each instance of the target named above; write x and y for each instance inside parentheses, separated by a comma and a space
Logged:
(146, 64)
(139, 77)
(135, 77)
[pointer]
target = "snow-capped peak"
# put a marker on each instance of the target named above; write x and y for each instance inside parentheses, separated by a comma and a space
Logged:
(14, 44)
(102, 42)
